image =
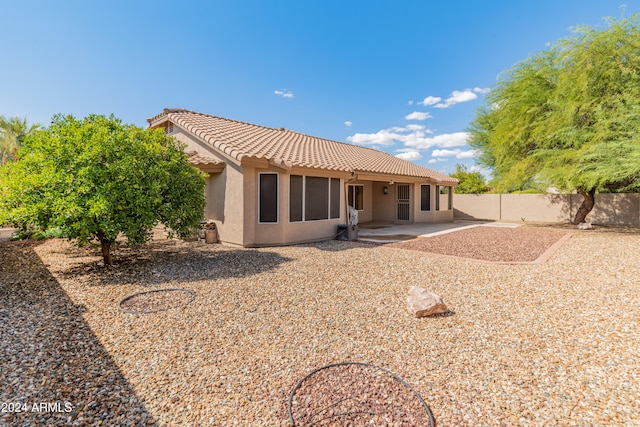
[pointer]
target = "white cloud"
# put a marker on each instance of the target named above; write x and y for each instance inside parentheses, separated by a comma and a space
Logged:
(410, 102)
(382, 137)
(409, 155)
(429, 100)
(458, 153)
(439, 159)
(284, 93)
(348, 123)
(413, 136)
(486, 172)
(445, 140)
(481, 91)
(418, 115)
(457, 96)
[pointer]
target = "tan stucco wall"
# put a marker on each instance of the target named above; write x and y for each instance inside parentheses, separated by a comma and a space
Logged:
(609, 209)
(385, 204)
(477, 206)
(225, 203)
(284, 231)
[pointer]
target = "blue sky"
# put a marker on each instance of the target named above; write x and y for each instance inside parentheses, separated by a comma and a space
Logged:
(405, 77)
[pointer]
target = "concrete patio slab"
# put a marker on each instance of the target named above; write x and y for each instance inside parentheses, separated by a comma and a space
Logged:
(388, 232)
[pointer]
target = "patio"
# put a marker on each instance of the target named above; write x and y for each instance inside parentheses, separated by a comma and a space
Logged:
(388, 232)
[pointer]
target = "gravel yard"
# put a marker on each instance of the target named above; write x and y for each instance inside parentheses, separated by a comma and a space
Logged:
(550, 344)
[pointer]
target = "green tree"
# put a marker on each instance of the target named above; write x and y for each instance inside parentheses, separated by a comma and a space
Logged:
(470, 182)
(12, 132)
(96, 178)
(568, 117)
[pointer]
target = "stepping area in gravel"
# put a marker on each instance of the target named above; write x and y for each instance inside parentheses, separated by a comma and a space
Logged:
(495, 244)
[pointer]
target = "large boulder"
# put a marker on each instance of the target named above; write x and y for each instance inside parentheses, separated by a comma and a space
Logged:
(423, 303)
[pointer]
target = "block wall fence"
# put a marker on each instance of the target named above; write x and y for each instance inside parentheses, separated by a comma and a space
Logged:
(609, 209)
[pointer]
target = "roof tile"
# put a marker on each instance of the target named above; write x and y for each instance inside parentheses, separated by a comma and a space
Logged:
(239, 139)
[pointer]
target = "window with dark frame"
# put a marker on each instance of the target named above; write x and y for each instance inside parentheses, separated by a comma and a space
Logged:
(335, 198)
(268, 209)
(313, 198)
(316, 201)
(295, 198)
(425, 197)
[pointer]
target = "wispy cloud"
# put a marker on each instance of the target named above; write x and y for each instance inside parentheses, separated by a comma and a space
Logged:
(284, 93)
(418, 115)
(456, 97)
(439, 159)
(457, 153)
(348, 123)
(430, 100)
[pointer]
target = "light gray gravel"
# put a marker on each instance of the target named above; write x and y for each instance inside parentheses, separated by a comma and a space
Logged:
(553, 344)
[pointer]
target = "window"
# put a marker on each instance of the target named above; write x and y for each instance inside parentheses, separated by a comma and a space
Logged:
(356, 197)
(313, 198)
(438, 189)
(268, 197)
(450, 198)
(316, 204)
(425, 197)
(335, 198)
(295, 198)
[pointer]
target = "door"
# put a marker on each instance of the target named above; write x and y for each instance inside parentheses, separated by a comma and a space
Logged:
(403, 202)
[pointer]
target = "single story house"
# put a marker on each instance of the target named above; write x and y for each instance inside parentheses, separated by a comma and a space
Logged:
(270, 186)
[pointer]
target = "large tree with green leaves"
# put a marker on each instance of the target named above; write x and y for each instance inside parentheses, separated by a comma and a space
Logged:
(12, 131)
(470, 182)
(97, 177)
(568, 117)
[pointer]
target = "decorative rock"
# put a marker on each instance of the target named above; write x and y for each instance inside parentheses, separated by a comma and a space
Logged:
(585, 226)
(423, 303)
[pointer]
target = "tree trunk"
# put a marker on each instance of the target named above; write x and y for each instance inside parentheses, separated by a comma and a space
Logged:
(106, 254)
(106, 248)
(586, 206)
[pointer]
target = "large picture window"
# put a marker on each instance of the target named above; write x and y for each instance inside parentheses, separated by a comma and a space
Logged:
(356, 197)
(313, 198)
(425, 197)
(268, 197)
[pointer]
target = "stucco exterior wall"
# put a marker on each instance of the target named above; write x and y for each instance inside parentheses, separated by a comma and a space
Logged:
(224, 192)
(284, 231)
(385, 204)
(609, 209)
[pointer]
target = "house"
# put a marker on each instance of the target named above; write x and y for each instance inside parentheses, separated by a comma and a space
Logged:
(270, 186)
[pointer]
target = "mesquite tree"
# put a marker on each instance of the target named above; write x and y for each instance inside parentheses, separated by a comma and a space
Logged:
(97, 178)
(568, 117)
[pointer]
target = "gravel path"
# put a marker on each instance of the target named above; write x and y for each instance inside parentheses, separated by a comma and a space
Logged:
(553, 344)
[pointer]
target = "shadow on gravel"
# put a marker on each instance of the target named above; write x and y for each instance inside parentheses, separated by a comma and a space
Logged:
(155, 264)
(53, 369)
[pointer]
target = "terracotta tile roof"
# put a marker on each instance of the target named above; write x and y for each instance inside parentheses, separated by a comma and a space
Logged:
(196, 159)
(285, 147)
